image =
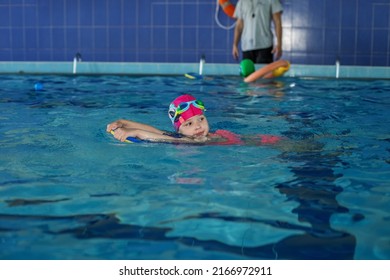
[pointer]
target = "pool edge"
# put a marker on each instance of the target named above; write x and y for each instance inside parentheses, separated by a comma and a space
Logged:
(136, 68)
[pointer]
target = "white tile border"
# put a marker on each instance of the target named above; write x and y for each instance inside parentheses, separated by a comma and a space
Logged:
(212, 69)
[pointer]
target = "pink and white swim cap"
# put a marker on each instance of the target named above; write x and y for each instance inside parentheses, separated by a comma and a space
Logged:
(183, 108)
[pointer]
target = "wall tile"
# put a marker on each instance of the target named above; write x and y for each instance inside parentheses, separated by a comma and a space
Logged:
(364, 14)
(115, 13)
(332, 42)
(159, 15)
(189, 38)
(30, 55)
(45, 39)
(300, 39)
(364, 42)
(31, 38)
(18, 54)
(377, 60)
(315, 32)
(130, 38)
(83, 13)
(44, 14)
(316, 14)
(57, 12)
(17, 36)
(144, 38)
(72, 14)
(16, 16)
(86, 39)
(100, 13)
(144, 12)
(333, 14)
(381, 16)
(72, 38)
(58, 37)
(5, 16)
(190, 17)
(30, 16)
(301, 14)
(5, 43)
(101, 39)
(175, 39)
(379, 45)
(115, 38)
(130, 13)
(174, 15)
(349, 13)
(158, 38)
(348, 41)
(314, 40)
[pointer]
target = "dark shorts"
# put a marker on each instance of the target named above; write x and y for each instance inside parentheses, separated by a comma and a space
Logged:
(259, 56)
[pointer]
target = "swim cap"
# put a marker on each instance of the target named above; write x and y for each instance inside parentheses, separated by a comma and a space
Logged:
(247, 67)
(184, 107)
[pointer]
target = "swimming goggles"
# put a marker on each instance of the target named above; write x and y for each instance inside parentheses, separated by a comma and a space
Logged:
(175, 112)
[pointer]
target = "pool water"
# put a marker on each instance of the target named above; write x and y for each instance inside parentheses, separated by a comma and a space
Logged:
(69, 190)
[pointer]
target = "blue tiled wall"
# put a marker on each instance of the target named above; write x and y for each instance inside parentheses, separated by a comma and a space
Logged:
(315, 31)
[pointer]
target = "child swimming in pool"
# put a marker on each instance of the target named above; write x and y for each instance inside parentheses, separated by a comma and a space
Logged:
(191, 127)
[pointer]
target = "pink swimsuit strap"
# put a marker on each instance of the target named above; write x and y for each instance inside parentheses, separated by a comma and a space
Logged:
(231, 138)
(234, 139)
(269, 139)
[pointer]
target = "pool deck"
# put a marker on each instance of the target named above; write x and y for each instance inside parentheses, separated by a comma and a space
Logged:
(212, 69)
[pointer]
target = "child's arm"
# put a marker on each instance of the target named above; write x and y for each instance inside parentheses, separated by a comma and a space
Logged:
(127, 124)
(122, 129)
(123, 133)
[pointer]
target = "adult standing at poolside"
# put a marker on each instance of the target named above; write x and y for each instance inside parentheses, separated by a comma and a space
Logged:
(253, 29)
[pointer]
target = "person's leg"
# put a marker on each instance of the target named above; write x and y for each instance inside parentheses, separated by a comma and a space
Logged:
(249, 55)
(262, 56)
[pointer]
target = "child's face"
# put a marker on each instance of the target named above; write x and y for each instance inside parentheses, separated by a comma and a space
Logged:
(196, 126)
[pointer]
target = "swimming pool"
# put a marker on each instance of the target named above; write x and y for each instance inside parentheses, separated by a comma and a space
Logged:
(70, 191)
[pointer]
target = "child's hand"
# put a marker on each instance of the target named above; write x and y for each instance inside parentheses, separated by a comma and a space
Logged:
(113, 126)
(120, 133)
(201, 139)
